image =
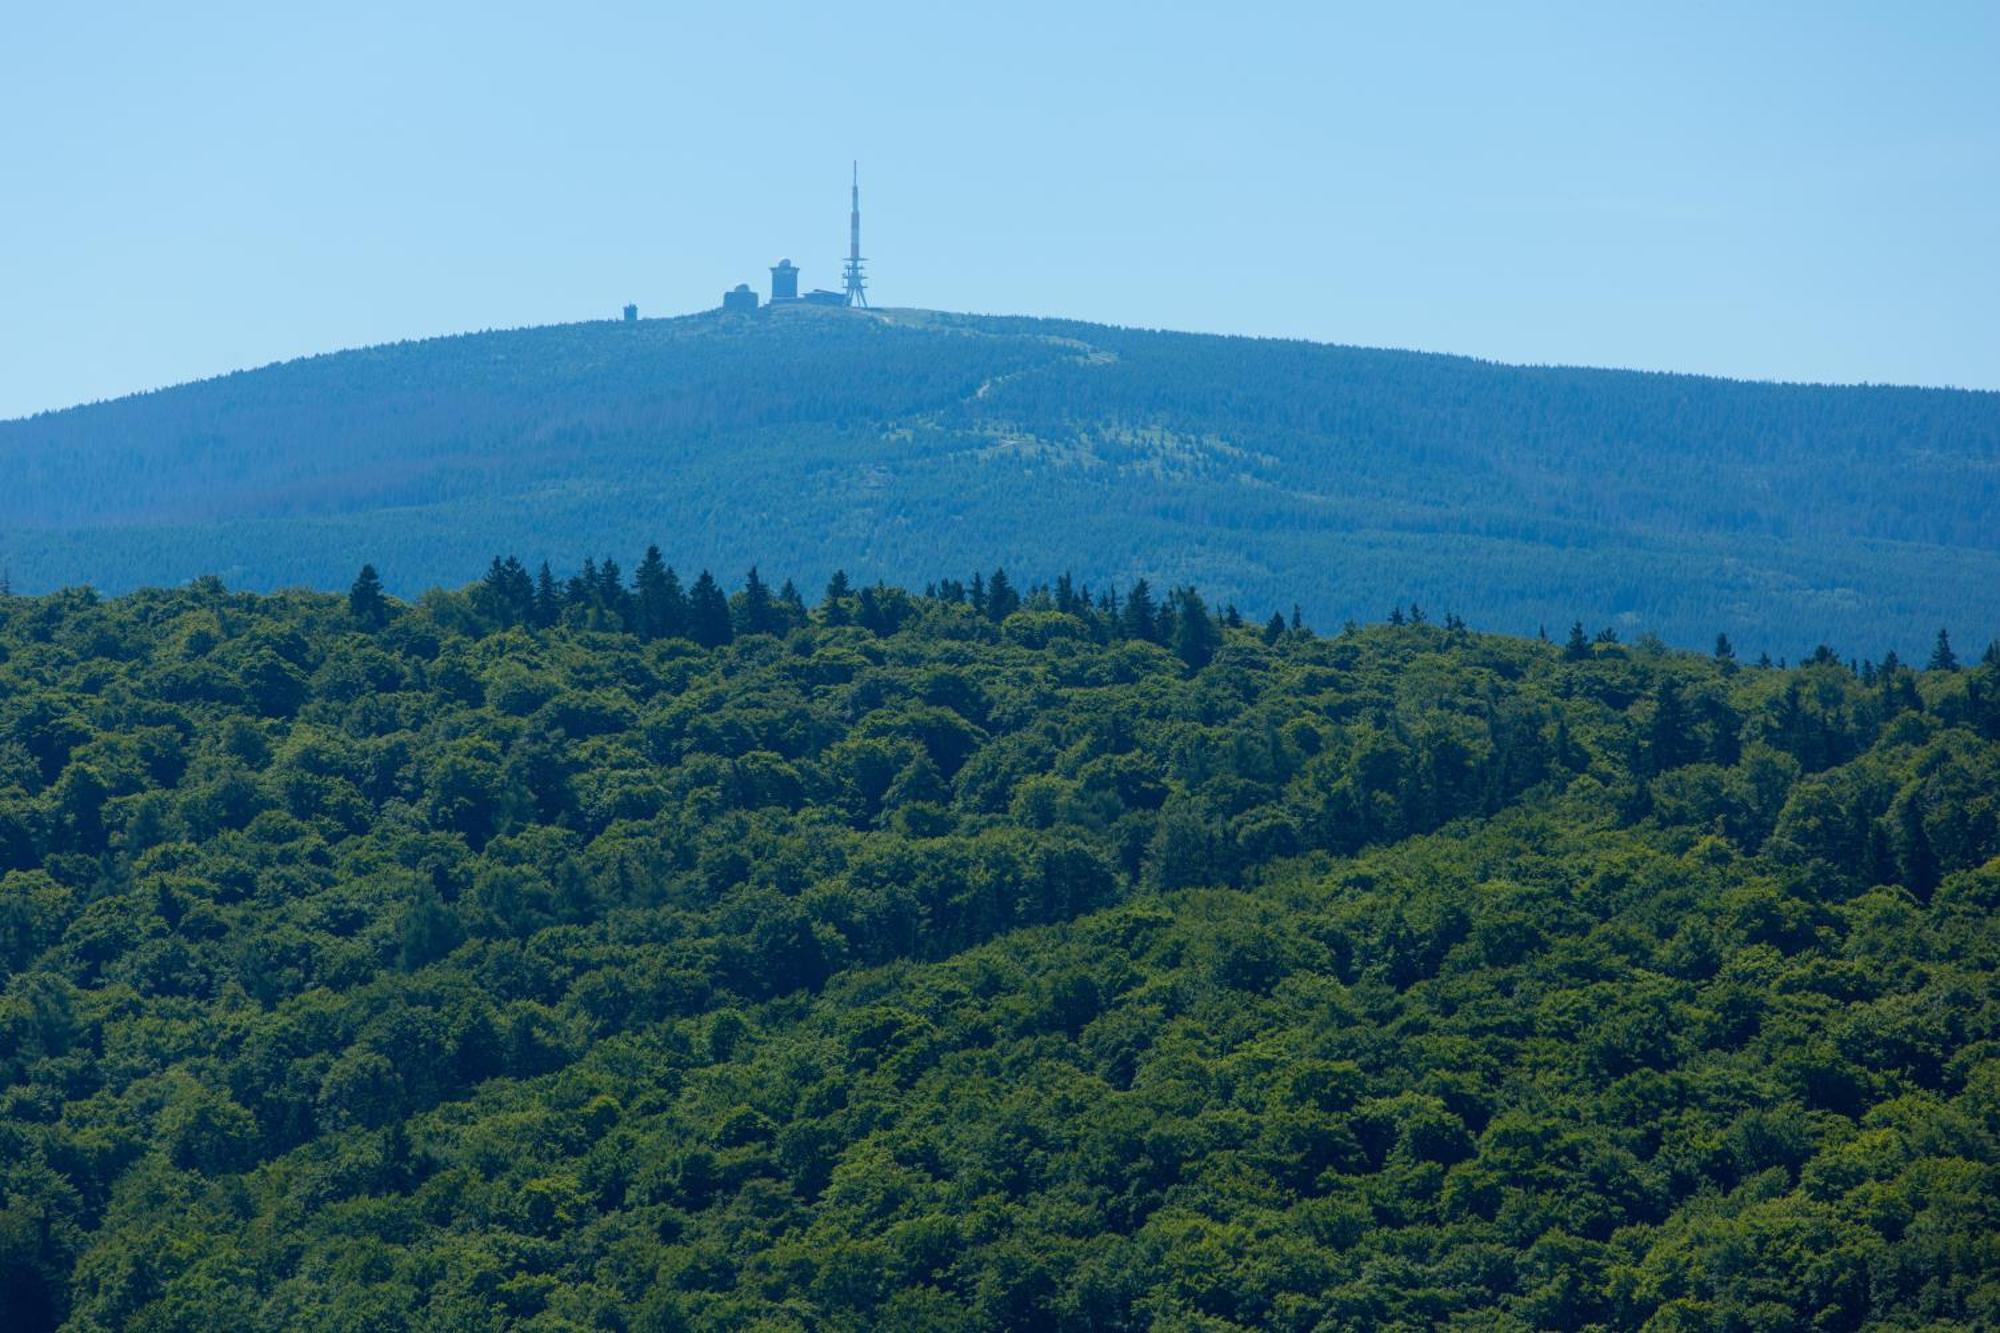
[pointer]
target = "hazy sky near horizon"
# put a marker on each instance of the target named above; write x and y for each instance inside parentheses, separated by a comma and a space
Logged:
(1793, 191)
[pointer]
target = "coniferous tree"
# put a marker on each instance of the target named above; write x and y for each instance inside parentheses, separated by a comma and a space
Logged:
(1140, 620)
(871, 614)
(576, 588)
(1066, 595)
(365, 601)
(708, 613)
(1942, 657)
(650, 582)
(548, 598)
(582, 593)
(674, 619)
(1001, 599)
(619, 609)
(1668, 743)
(1725, 651)
(1195, 635)
(791, 606)
(754, 611)
(833, 607)
(506, 596)
(1577, 648)
(1274, 628)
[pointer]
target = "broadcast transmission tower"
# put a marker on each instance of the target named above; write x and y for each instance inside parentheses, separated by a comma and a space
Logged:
(857, 290)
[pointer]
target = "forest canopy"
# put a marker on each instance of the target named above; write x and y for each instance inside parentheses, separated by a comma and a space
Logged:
(618, 950)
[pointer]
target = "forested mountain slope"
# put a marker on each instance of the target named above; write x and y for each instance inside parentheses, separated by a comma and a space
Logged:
(643, 961)
(899, 443)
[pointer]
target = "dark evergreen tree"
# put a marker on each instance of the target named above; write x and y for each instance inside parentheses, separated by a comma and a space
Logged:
(650, 584)
(506, 596)
(620, 611)
(1577, 647)
(754, 611)
(580, 593)
(1669, 743)
(708, 613)
(548, 598)
(1195, 635)
(1274, 628)
(1140, 620)
(1001, 599)
(870, 612)
(833, 607)
(1725, 651)
(674, 617)
(1942, 657)
(365, 601)
(1066, 599)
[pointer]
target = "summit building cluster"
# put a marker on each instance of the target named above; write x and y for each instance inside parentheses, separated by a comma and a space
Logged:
(785, 274)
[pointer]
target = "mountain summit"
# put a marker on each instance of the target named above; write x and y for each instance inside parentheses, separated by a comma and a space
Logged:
(907, 444)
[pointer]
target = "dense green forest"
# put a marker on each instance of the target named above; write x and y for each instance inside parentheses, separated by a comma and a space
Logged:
(896, 443)
(609, 951)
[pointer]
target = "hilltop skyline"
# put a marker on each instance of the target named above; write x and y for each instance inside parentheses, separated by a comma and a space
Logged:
(1760, 197)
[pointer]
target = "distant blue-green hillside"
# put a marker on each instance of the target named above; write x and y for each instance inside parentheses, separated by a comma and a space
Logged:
(911, 445)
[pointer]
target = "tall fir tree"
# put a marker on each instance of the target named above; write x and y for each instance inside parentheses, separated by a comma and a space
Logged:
(708, 613)
(753, 610)
(365, 601)
(650, 582)
(1669, 743)
(618, 603)
(1001, 599)
(1066, 595)
(548, 598)
(833, 608)
(1139, 620)
(1942, 657)
(1195, 635)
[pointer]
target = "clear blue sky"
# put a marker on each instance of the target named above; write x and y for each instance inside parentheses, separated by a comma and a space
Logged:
(1806, 191)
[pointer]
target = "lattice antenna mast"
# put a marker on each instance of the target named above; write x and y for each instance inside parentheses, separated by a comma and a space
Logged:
(857, 289)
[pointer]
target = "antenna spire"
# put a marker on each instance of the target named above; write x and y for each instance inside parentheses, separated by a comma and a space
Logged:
(857, 289)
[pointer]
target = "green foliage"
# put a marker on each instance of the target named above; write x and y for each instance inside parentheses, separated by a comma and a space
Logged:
(600, 956)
